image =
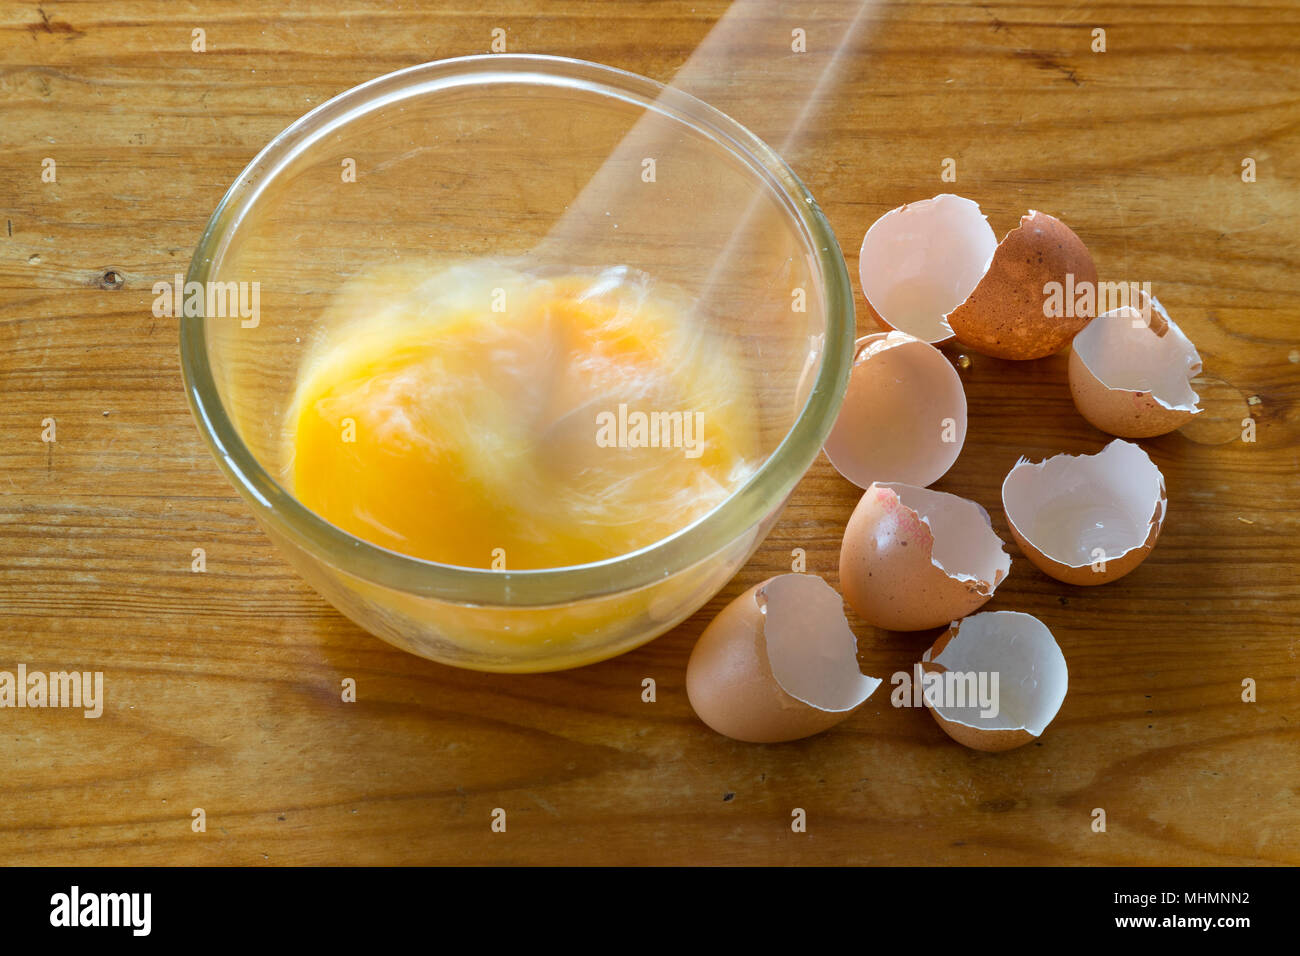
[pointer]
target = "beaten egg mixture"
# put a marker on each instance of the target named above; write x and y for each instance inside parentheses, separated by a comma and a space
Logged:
(487, 417)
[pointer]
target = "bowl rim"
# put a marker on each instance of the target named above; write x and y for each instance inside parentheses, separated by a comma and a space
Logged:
(745, 508)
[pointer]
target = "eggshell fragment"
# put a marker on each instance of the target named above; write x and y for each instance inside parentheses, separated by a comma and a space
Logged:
(914, 559)
(1086, 519)
(904, 414)
(1131, 371)
(920, 261)
(1031, 679)
(777, 663)
(1006, 316)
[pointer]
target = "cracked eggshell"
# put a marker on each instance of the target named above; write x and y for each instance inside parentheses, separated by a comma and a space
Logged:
(1032, 679)
(920, 261)
(914, 559)
(1005, 316)
(903, 401)
(1086, 519)
(1131, 371)
(778, 663)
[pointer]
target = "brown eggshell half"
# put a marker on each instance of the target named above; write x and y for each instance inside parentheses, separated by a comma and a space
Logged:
(1131, 371)
(1032, 652)
(734, 678)
(1116, 496)
(1006, 316)
(904, 401)
(913, 559)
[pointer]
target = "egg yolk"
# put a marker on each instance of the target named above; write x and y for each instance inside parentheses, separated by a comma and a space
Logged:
(483, 417)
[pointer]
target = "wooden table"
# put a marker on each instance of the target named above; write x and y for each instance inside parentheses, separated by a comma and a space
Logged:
(223, 687)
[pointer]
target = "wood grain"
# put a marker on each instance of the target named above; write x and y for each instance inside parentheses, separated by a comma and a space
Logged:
(223, 687)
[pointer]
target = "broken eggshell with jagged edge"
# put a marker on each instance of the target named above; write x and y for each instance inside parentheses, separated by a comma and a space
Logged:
(935, 270)
(1131, 371)
(920, 261)
(904, 413)
(913, 559)
(778, 663)
(1032, 679)
(1086, 519)
(1011, 315)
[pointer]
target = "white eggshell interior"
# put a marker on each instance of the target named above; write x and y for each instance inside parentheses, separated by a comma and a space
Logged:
(1128, 351)
(1032, 677)
(1069, 505)
(922, 260)
(891, 426)
(810, 647)
(965, 545)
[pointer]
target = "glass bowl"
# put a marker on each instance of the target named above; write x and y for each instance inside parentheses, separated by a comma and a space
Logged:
(557, 163)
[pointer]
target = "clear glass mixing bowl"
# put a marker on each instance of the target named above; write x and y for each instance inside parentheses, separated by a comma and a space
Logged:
(540, 160)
